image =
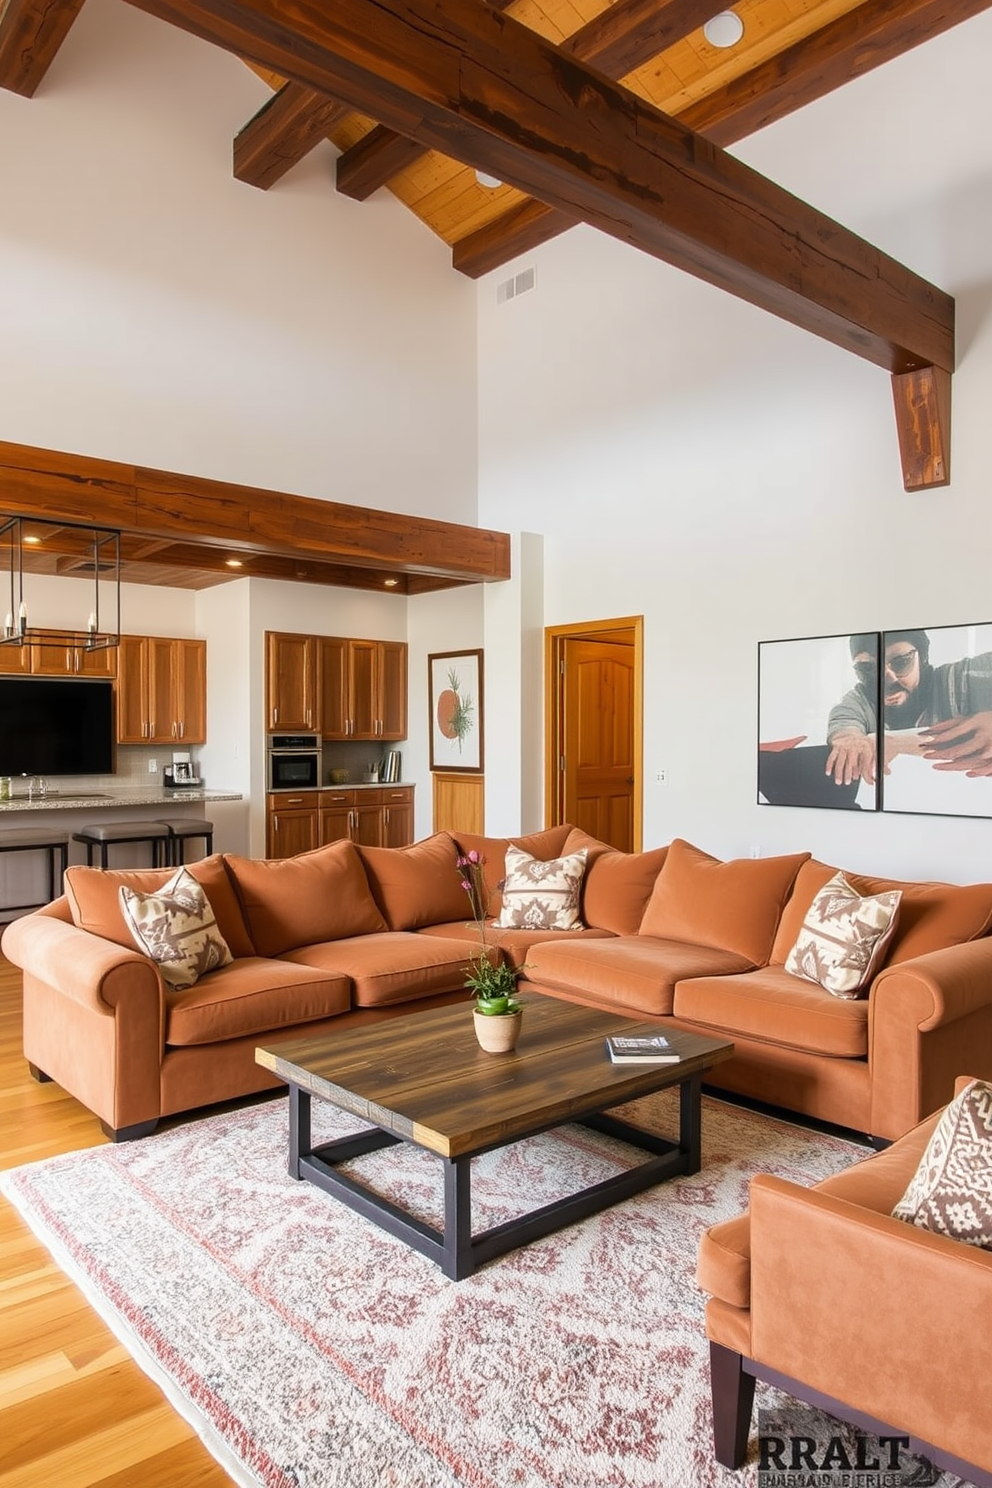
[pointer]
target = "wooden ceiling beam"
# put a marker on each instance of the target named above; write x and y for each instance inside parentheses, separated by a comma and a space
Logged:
(285, 129)
(629, 33)
(622, 37)
(486, 90)
(375, 159)
(31, 32)
(864, 38)
(152, 504)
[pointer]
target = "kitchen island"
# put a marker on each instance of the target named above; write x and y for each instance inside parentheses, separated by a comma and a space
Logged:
(23, 876)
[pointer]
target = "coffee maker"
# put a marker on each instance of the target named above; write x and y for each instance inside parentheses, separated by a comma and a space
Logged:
(181, 774)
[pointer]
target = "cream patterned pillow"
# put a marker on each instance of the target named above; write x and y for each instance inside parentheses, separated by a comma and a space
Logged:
(539, 895)
(176, 928)
(951, 1191)
(844, 936)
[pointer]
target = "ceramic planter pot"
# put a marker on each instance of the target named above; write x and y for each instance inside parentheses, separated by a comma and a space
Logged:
(497, 1034)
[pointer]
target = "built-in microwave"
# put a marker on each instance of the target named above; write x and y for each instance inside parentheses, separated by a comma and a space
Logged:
(293, 762)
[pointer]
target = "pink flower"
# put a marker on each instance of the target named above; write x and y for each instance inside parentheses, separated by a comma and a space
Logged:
(474, 857)
(466, 886)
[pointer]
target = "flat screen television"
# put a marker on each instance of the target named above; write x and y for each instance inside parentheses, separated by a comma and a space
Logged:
(56, 726)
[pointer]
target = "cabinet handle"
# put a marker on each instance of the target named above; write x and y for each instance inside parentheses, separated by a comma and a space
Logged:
(275, 715)
(182, 731)
(386, 814)
(275, 823)
(295, 801)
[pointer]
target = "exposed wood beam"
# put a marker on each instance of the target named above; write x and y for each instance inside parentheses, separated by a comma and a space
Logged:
(31, 32)
(855, 43)
(864, 38)
(629, 33)
(623, 36)
(923, 423)
(486, 90)
(148, 504)
(375, 159)
(286, 127)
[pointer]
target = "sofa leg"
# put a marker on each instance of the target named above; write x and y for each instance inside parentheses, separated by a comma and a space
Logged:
(39, 1074)
(129, 1133)
(733, 1396)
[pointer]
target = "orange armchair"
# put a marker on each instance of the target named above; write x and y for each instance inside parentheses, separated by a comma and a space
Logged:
(821, 1293)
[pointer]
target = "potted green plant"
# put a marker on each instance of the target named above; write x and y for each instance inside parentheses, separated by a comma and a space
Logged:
(492, 980)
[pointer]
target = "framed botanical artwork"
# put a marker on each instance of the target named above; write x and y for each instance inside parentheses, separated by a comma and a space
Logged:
(936, 707)
(454, 680)
(817, 730)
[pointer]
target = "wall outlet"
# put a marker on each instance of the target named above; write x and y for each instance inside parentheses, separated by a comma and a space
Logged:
(662, 777)
(153, 767)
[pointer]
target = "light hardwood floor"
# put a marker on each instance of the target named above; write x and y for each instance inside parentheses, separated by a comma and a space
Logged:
(75, 1410)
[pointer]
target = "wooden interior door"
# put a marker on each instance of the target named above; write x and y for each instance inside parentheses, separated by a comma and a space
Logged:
(598, 737)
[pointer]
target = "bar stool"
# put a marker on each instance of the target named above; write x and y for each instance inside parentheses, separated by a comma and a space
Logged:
(54, 844)
(104, 835)
(183, 829)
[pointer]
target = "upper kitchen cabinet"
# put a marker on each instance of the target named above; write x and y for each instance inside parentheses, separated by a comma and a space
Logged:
(161, 691)
(73, 661)
(291, 682)
(363, 688)
(339, 686)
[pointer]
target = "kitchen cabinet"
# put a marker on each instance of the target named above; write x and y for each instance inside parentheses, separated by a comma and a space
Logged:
(338, 686)
(291, 682)
(363, 688)
(73, 661)
(291, 823)
(161, 691)
(373, 818)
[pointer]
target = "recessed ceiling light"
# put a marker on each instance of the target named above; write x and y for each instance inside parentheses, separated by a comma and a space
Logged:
(391, 583)
(234, 563)
(724, 30)
(485, 179)
(30, 538)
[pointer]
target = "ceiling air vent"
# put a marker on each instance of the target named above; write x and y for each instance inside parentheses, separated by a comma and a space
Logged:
(518, 285)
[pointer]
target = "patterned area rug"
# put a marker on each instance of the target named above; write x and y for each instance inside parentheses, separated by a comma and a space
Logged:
(309, 1348)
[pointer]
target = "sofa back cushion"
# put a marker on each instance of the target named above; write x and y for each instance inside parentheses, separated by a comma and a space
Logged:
(93, 895)
(733, 906)
(546, 844)
(317, 896)
(617, 885)
(417, 885)
(931, 915)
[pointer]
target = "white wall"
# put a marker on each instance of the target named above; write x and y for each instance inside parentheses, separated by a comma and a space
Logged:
(448, 620)
(156, 310)
(735, 479)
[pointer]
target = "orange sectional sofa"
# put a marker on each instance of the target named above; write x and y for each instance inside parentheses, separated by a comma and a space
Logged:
(345, 935)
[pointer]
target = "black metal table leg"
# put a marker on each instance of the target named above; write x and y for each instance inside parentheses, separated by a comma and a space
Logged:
(300, 1139)
(457, 1259)
(691, 1122)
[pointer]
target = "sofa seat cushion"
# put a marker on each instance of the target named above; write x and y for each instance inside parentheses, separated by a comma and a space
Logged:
(515, 944)
(316, 896)
(253, 996)
(724, 1265)
(397, 966)
(772, 1005)
(628, 971)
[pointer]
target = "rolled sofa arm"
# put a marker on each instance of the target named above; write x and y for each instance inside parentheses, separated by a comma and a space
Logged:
(929, 1020)
(865, 1308)
(94, 1017)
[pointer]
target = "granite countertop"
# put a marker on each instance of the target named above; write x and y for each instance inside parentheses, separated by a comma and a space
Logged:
(64, 800)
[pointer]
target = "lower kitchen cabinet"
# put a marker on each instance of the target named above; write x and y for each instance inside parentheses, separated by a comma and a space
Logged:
(299, 821)
(291, 823)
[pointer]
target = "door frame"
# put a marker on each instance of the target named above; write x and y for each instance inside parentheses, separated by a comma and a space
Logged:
(555, 637)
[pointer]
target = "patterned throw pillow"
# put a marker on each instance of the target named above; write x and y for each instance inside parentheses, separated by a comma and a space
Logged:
(176, 928)
(951, 1191)
(539, 895)
(843, 937)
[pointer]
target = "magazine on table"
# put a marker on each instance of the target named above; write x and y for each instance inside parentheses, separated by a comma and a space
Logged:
(654, 1049)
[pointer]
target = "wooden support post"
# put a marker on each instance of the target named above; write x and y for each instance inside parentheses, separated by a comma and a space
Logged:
(923, 422)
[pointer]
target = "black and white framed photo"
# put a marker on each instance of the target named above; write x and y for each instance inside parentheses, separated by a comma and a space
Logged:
(936, 703)
(811, 693)
(455, 689)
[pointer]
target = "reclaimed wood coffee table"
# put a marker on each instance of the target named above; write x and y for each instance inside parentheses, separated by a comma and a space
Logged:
(423, 1079)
